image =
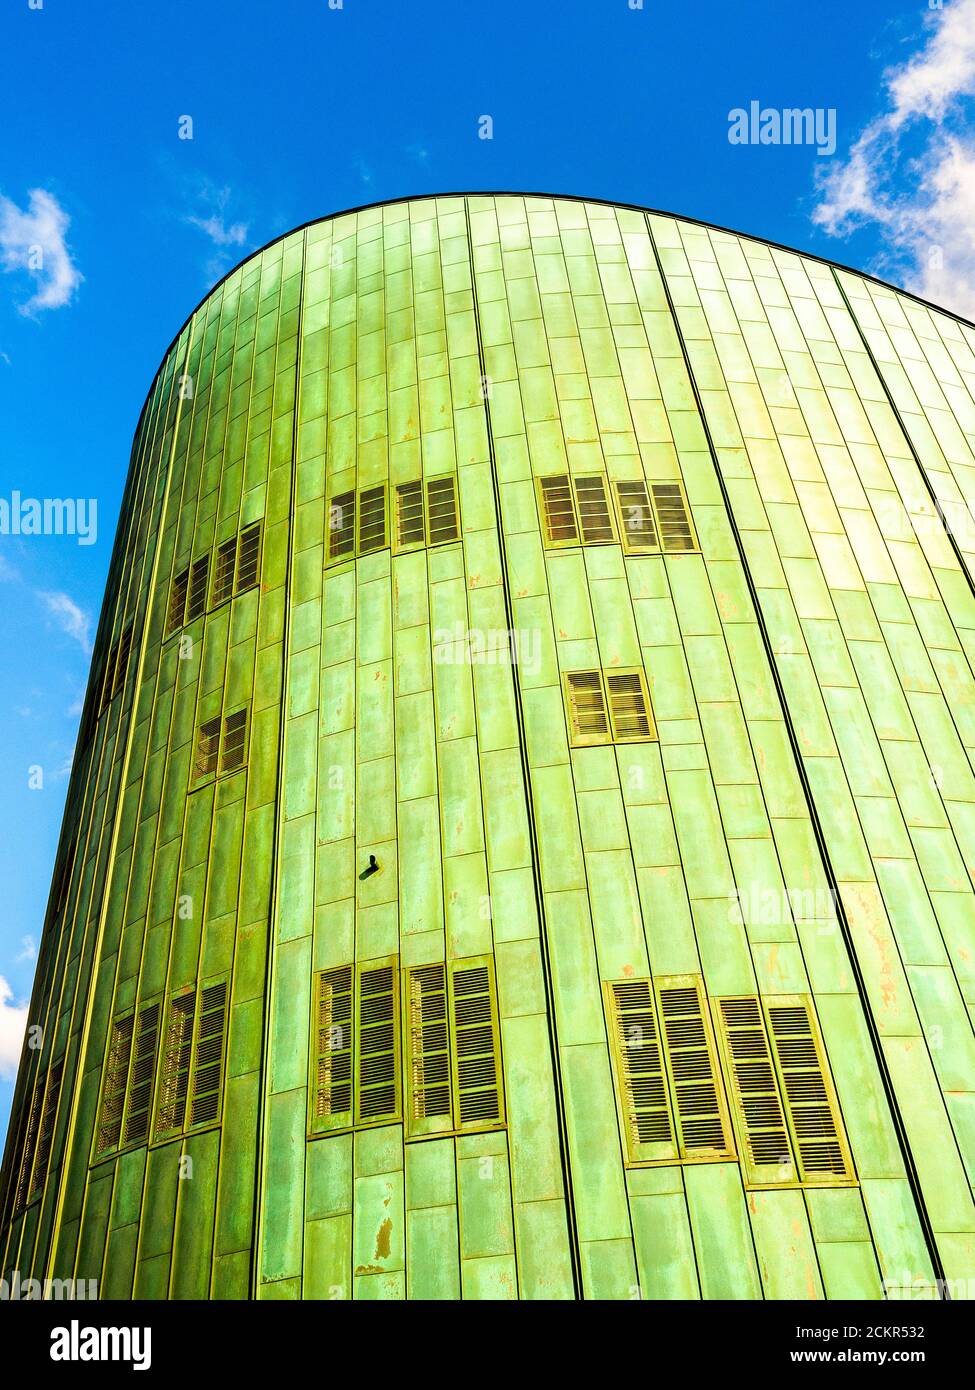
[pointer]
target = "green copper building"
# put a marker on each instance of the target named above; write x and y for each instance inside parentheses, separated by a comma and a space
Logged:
(522, 830)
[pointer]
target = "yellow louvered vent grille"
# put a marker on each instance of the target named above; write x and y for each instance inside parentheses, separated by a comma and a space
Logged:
(477, 1067)
(341, 526)
(807, 1090)
(608, 707)
(754, 1092)
(175, 1071)
(372, 519)
(30, 1146)
(223, 571)
(234, 740)
(197, 601)
(673, 517)
(249, 556)
(442, 511)
(629, 706)
(45, 1137)
(208, 1054)
(558, 512)
(592, 508)
(453, 1048)
(429, 1060)
(588, 719)
(113, 1086)
(177, 601)
(638, 529)
(377, 1052)
(645, 1110)
(142, 1074)
(410, 529)
(701, 1112)
(333, 1045)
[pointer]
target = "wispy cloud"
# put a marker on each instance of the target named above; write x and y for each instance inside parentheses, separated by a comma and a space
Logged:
(13, 1025)
(212, 217)
(33, 241)
(73, 621)
(28, 949)
(911, 171)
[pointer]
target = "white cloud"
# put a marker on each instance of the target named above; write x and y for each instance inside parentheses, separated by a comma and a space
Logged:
(13, 1025)
(911, 171)
(33, 241)
(28, 949)
(212, 220)
(70, 618)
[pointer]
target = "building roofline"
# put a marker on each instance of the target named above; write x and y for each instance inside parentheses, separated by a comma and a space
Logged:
(555, 197)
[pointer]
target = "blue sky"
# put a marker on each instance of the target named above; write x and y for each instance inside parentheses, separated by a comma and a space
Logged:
(300, 110)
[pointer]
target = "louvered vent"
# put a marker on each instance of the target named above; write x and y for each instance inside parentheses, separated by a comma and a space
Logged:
(589, 722)
(138, 1108)
(175, 1072)
(122, 661)
(249, 556)
(341, 526)
(207, 748)
(702, 1119)
(409, 515)
(30, 1146)
(333, 1047)
(223, 571)
(638, 528)
(557, 510)
(208, 1054)
(754, 1090)
(197, 601)
(639, 1066)
(673, 516)
(442, 510)
(429, 1064)
(234, 740)
(46, 1135)
(592, 504)
(377, 1061)
(177, 601)
(629, 706)
(811, 1105)
(113, 1088)
(477, 1063)
(372, 519)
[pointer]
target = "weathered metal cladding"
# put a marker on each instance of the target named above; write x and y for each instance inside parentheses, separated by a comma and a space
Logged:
(790, 827)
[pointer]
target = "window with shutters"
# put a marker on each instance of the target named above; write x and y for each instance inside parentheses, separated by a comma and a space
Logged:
(654, 516)
(811, 1107)
(355, 1046)
(670, 1099)
(453, 1048)
(223, 571)
(372, 519)
(341, 526)
(196, 600)
(248, 557)
(237, 567)
(177, 601)
(221, 746)
(116, 668)
(608, 707)
(782, 1094)
(29, 1147)
(575, 510)
(128, 1079)
(426, 514)
(45, 1137)
(193, 1045)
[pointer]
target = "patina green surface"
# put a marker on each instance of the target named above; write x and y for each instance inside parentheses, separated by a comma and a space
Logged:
(803, 823)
